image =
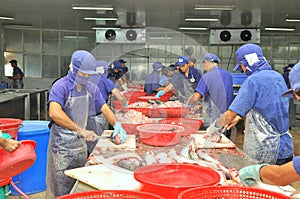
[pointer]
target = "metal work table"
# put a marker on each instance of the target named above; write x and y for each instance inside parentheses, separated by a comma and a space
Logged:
(12, 105)
(233, 158)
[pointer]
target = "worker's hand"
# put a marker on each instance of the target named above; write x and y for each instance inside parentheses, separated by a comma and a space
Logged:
(125, 105)
(88, 135)
(159, 93)
(119, 134)
(10, 145)
(250, 175)
(212, 129)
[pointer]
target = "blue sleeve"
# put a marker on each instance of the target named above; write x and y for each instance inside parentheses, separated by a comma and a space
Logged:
(296, 163)
(58, 93)
(202, 87)
(163, 80)
(109, 85)
(245, 98)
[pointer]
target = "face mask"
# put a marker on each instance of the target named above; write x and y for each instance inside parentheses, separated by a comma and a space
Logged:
(82, 80)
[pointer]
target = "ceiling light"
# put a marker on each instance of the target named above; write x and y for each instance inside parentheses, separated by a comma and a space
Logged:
(279, 29)
(75, 37)
(86, 7)
(192, 28)
(6, 18)
(101, 18)
(203, 18)
(292, 19)
(213, 7)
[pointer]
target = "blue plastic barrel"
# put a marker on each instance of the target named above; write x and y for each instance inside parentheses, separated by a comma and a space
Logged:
(33, 180)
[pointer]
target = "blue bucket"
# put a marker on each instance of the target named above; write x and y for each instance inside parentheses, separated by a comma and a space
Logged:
(33, 180)
(238, 78)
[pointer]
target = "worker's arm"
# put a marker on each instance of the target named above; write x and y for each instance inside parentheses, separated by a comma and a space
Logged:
(116, 92)
(227, 119)
(9, 144)
(279, 175)
(194, 98)
(108, 114)
(57, 114)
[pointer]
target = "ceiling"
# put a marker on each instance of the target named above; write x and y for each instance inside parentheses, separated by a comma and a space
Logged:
(58, 14)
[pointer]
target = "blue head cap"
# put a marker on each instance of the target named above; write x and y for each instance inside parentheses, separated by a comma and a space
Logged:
(102, 67)
(210, 57)
(84, 62)
(182, 60)
(294, 78)
(248, 55)
(157, 66)
(117, 65)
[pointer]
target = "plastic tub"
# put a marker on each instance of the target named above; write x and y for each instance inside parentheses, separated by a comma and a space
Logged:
(232, 192)
(190, 125)
(160, 134)
(238, 78)
(33, 180)
(109, 194)
(168, 180)
(10, 126)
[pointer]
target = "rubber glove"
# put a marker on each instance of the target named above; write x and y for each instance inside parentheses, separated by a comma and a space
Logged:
(213, 129)
(124, 86)
(88, 135)
(125, 105)
(250, 175)
(118, 129)
(159, 93)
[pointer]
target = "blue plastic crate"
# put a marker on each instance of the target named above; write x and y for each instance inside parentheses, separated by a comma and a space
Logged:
(238, 78)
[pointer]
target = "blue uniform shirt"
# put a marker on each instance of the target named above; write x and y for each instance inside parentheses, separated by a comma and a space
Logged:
(63, 87)
(216, 85)
(195, 74)
(262, 91)
(151, 83)
(105, 86)
(296, 163)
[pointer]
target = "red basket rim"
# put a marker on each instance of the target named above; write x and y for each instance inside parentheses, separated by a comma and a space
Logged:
(218, 189)
(120, 193)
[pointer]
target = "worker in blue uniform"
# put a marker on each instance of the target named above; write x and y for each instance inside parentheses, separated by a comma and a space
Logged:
(152, 85)
(274, 174)
(119, 74)
(98, 123)
(267, 138)
(184, 84)
(215, 87)
(72, 99)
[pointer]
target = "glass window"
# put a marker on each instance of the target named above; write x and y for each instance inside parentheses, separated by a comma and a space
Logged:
(32, 41)
(13, 40)
(50, 41)
(50, 66)
(33, 66)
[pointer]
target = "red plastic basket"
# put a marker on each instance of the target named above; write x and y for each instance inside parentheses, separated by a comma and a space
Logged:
(173, 112)
(160, 134)
(168, 180)
(232, 192)
(145, 111)
(15, 162)
(132, 96)
(108, 194)
(190, 125)
(10, 126)
(131, 128)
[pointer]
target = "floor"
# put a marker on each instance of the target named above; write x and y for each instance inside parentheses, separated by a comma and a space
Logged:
(295, 131)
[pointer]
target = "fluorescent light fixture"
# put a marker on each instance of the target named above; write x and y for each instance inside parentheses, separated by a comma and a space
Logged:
(279, 29)
(292, 19)
(191, 28)
(203, 18)
(74, 37)
(213, 7)
(94, 7)
(101, 18)
(6, 18)
(160, 38)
